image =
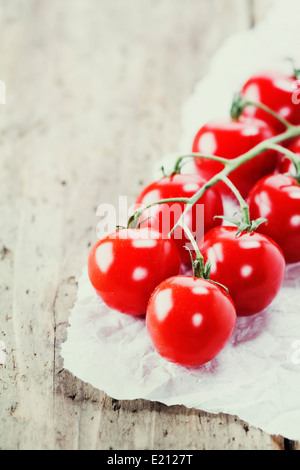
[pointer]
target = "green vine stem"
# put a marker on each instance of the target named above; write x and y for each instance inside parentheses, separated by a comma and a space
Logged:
(177, 166)
(291, 156)
(245, 224)
(291, 132)
(238, 106)
(243, 204)
(240, 103)
(199, 269)
(134, 219)
(198, 263)
(229, 167)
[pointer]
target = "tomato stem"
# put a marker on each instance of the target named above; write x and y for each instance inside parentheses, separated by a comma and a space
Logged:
(296, 71)
(291, 156)
(240, 103)
(293, 131)
(177, 167)
(198, 262)
(134, 219)
(243, 204)
(199, 269)
(229, 166)
(269, 111)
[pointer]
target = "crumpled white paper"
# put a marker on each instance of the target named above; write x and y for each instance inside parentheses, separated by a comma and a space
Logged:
(257, 375)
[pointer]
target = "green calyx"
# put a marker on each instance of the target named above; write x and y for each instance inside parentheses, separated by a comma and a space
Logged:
(164, 174)
(198, 265)
(243, 226)
(296, 71)
(133, 221)
(202, 271)
(120, 227)
(237, 107)
(240, 103)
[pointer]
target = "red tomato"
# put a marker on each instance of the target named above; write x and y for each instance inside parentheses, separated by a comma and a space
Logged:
(190, 320)
(127, 265)
(230, 139)
(164, 216)
(277, 198)
(251, 266)
(278, 91)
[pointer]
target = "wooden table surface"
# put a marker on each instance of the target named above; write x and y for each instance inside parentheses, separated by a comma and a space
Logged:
(94, 90)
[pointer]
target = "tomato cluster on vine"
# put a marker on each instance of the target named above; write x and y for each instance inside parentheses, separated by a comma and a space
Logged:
(192, 284)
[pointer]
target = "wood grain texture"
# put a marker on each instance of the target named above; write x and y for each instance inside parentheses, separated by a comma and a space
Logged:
(94, 95)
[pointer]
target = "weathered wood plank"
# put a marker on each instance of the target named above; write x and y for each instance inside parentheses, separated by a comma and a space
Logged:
(94, 94)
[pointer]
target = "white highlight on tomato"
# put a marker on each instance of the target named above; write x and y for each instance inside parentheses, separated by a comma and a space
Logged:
(144, 243)
(145, 233)
(167, 247)
(163, 304)
(253, 94)
(153, 196)
(104, 256)
(294, 194)
(197, 319)
(134, 234)
(284, 85)
(208, 143)
(212, 258)
(139, 274)
(214, 255)
(249, 244)
(190, 187)
(295, 221)
(246, 270)
(285, 112)
(148, 234)
(250, 131)
(200, 290)
(264, 203)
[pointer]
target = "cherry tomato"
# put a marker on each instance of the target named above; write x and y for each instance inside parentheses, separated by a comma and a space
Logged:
(230, 139)
(127, 265)
(251, 266)
(190, 320)
(164, 216)
(277, 198)
(278, 91)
